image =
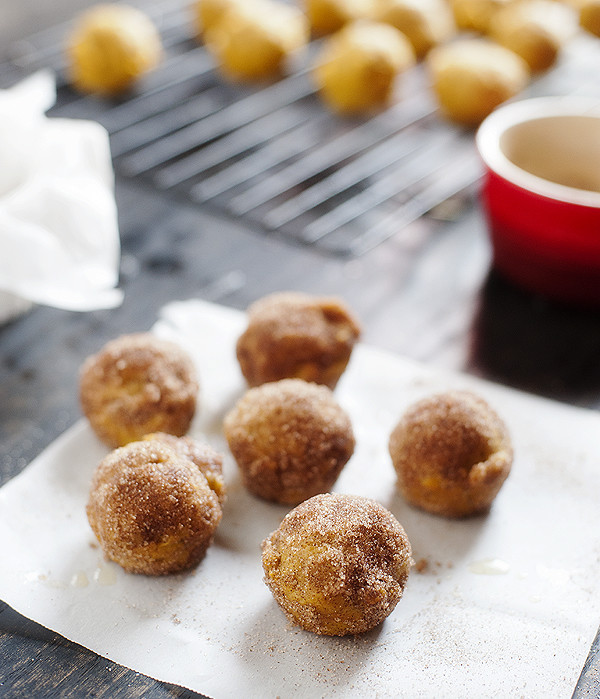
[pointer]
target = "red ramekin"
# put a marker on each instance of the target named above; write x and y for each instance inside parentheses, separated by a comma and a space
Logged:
(541, 194)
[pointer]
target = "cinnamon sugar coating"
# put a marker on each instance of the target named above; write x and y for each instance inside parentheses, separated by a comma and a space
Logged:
(451, 453)
(137, 384)
(296, 335)
(152, 509)
(337, 564)
(207, 459)
(290, 439)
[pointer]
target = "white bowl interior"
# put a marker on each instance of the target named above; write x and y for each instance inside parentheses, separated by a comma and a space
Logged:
(549, 145)
(562, 149)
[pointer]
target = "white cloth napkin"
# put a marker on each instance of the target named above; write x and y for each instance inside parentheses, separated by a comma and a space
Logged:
(59, 237)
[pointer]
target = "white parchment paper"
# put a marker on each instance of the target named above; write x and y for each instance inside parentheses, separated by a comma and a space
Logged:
(505, 605)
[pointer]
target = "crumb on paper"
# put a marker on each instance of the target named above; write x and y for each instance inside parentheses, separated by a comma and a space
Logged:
(424, 565)
(421, 565)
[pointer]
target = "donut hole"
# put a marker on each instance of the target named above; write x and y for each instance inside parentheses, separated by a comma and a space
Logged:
(337, 564)
(152, 509)
(290, 439)
(451, 453)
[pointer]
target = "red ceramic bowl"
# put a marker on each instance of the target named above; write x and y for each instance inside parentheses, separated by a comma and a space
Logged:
(541, 194)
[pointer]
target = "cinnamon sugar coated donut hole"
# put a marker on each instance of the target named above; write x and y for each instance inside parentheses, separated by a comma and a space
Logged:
(296, 335)
(451, 453)
(290, 440)
(137, 384)
(207, 459)
(151, 509)
(337, 564)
